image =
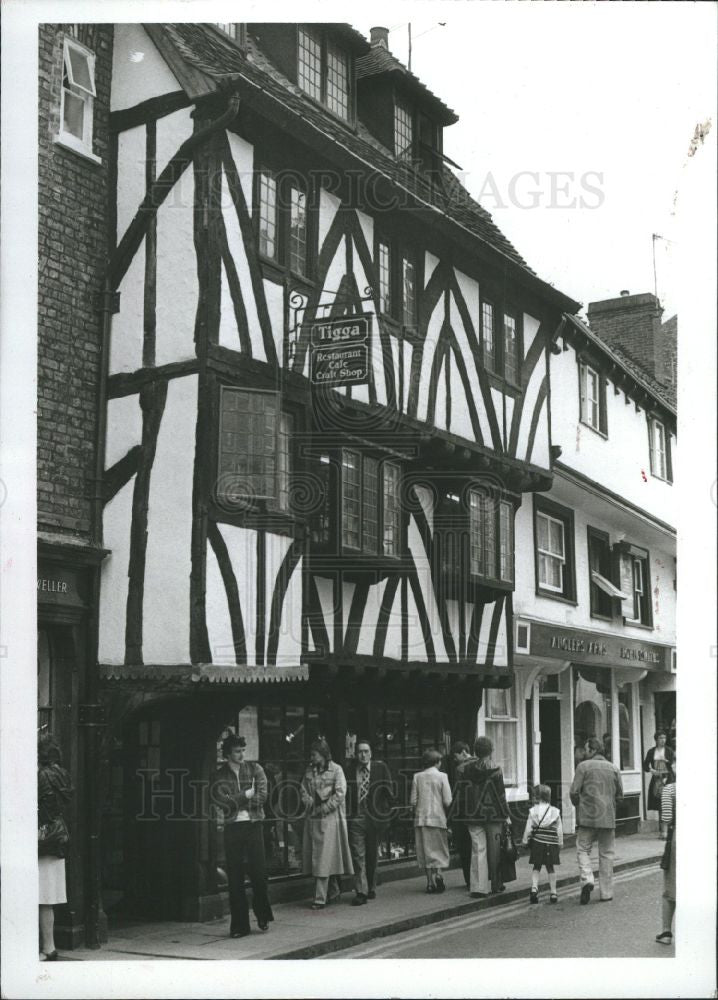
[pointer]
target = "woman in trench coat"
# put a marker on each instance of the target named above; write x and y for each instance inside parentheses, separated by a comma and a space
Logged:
(326, 842)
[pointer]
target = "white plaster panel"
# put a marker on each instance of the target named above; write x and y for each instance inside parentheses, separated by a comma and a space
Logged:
(367, 227)
(131, 188)
(335, 273)
(242, 551)
(510, 403)
(452, 613)
(470, 290)
(228, 334)
(275, 549)
(423, 570)
(426, 499)
(377, 357)
(177, 285)
(116, 523)
(172, 131)
(124, 427)
(540, 454)
(239, 256)
(416, 647)
(128, 324)
(408, 352)
(392, 643)
(440, 404)
(365, 646)
(219, 626)
(501, 653)
(485, 632)
(165, 612)
(243, 156)
(138, 70)
(460, 415)
(325, 589)
(328, 205)
(430, 344)
(530, 396)
(430, 262)
(289, 650)
(531, 327)
(360, 392)
(347, 596)
(274, 297)
(468, 356)
(497, 398)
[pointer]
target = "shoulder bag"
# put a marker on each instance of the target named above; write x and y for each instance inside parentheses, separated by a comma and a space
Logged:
(53, 838)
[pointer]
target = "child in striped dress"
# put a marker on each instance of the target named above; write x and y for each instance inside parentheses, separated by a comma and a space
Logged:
(544, 833)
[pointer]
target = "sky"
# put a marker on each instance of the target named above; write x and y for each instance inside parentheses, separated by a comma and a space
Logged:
(575, 121)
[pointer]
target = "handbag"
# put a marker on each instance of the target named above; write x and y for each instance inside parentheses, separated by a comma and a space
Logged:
(52, 838)
(508, 854)
(666, 859)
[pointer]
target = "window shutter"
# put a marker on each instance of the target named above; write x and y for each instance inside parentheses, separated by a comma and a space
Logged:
(602, 412)
(582, 391)
(669, 461)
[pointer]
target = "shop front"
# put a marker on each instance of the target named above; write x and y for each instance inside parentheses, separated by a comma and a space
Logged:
(579, 684)
(163, 838)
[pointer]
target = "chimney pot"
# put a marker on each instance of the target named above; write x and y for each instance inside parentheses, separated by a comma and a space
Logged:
(380, 36)
(624, 292)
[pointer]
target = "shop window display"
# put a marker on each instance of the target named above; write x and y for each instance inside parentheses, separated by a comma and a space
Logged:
(592, 709)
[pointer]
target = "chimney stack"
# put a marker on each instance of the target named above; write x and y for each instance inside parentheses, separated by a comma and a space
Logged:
(633, 322)
(380, 36)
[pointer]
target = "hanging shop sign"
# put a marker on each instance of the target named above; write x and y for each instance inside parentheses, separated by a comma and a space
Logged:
(340, 351)
(596, 648)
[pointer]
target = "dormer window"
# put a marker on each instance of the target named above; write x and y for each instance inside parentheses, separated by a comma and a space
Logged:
(403, 132)
(323, 71)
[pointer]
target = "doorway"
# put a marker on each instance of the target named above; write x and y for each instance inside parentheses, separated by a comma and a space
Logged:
(550, 747)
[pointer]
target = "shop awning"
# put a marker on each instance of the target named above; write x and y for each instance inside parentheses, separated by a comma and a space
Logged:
(607, 587)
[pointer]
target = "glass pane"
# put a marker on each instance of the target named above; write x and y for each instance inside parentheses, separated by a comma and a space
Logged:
(392, 509)
(625, 726)
(409, 292)
(370, 510)
(298, 232)
(351, 499)
(385, 278)
(487, 317)
(403, 131)
(310, 64)
(506, 541)
(556, 537)
(73, 118)
(542, 531)
(592, 708)
(489, 526)
(248, 452)
(80, 70)
(337, 81)
(267, 215)
(476, 534)
(503, 736)
(510, 354)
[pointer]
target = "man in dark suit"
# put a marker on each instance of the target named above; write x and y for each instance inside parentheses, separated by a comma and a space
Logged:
(370, 801)
(462, 841)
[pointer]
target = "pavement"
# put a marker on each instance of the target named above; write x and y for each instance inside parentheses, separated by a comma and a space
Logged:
(300, 932)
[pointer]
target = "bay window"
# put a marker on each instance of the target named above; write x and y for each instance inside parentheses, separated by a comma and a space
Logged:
(370, 504)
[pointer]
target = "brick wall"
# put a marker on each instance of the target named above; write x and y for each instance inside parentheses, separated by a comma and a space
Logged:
(72, 236)
(634, 323)
(667, 371)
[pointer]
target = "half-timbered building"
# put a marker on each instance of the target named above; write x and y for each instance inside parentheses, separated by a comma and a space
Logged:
(325, 386)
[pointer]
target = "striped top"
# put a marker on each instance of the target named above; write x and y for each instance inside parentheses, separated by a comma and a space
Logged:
(544, 823)
(668, 804)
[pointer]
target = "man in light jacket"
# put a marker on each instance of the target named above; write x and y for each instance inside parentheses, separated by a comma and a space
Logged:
(595, 791)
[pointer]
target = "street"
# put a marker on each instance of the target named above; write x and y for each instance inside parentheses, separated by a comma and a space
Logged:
(626, 927)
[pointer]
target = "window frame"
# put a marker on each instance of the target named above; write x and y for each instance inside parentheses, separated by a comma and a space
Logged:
(597, 535)
(653, 423)
(400, 253)
(325, 41)
(493, 368)
(490, 540)
(564, 515)
(273, 504)
(637, 556)
(379, 521)
(511, 720)
(584, 367)
(502, 307)
(63, 137)
(286, 182)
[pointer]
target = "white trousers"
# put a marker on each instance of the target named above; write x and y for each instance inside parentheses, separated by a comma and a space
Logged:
(479, 865)
(586, 836)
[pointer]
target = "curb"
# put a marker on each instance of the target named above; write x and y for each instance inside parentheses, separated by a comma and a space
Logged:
(411, 923)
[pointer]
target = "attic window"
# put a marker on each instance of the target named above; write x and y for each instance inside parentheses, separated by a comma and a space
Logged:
(403, 131)
(324, 71)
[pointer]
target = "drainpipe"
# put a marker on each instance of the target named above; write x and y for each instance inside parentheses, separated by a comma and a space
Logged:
(92, 712)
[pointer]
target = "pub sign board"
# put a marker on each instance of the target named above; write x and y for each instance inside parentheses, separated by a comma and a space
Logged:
(598, 648)
(340, 351)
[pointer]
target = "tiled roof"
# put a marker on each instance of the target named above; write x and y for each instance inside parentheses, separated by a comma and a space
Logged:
(662, 393)
(219, 60)
(380, 60)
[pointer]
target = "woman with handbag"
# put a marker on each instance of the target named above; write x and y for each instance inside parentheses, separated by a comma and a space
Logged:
(53, 794)
(326, 840)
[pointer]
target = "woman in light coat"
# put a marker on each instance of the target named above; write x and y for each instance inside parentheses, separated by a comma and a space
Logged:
(430, 798)
(326, 842)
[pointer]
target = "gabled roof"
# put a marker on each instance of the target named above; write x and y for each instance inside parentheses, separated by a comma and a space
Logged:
(380, 62)
(205, 61)
(617, 355)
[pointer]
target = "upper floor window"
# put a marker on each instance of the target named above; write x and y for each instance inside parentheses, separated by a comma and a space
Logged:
(324, 71)
(501, 725)
(491, 543)
(384, 266)
(370, 506)
(593, 399)
(553, 535)
(233, 30)
(254, 447)
(487, 335)
(602, 589)
(78, 94)
(283, 224)
(403, 131)
(408, 291)
(398, 282)
(635, 585)
(511, 359)
(659, 446)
